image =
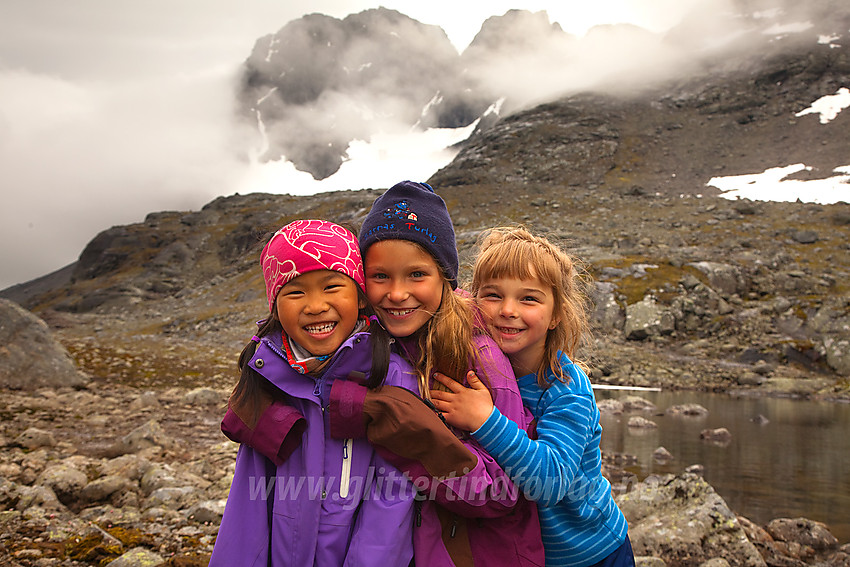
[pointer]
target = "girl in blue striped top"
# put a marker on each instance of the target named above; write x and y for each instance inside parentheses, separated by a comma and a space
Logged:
(529, 291)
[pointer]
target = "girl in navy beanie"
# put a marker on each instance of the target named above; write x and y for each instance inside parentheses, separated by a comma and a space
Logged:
(472, 514)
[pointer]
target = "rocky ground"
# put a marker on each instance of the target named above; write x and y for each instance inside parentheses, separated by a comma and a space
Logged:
(697, 293)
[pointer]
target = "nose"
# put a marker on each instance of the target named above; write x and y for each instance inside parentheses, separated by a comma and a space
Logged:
(397, 292)
(316, 304)
(508, 309)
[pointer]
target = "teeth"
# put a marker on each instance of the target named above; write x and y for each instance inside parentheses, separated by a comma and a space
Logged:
(323, 328)
(400, 312)
(509, 331)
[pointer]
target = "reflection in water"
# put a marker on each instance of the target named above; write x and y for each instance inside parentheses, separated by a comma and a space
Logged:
(795, 465)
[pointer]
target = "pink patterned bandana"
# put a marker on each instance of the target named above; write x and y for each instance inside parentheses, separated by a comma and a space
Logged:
(306, 245)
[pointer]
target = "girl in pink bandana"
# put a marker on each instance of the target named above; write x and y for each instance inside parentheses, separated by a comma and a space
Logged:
(299, 495)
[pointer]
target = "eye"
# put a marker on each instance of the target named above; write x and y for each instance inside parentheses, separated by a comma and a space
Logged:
(490, 295)
(293, 293)
(418, 274)
(331, 287)
(530, 299)
(378, 276)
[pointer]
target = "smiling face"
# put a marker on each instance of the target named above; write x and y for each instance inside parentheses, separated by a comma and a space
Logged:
(403, 284)
(318, 310)
(519, 314)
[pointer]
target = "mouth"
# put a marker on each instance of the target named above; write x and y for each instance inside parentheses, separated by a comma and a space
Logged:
(399, 312)
(509, 330)
(320, 329)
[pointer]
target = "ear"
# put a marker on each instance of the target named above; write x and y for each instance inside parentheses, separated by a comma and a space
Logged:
(361, 303)
(554, 322)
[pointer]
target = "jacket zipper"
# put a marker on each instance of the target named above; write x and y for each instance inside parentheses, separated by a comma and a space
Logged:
(345, 477)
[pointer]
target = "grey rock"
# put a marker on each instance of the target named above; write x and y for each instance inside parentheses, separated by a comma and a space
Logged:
(37, 496)
(138, 557)
(33, 438)
(750, 379)
(838, 354)
(805, 236)
(169, 497)
(647, 318)
(145, 400)
(207, 511)
(662, 455)
(689, 410)
(607, 313)
(145, 436)
(65, 481)
(718, 436)
(802, 531)
(695, 469)
(638, 422)
(102, 488)
(205, 396)
(723, 278)
(636, 403)
(130, 466)
(610, 406)
(30, 357)
(682, 520)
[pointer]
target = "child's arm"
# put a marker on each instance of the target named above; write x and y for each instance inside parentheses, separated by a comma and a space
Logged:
(275, 435)
(459, 475)
(411, 436)
(544, 468)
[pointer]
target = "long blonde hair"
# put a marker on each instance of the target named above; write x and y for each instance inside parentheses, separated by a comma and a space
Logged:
(514, 252)
(445, 342)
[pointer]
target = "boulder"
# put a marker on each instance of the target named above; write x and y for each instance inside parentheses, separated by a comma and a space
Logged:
(205, 396)
(682, 520)
(636, 403)
(30, 357)
(607, 313)
(138, 557)
(689, 410)
(838, 354)
(33, 438)
(610, 406)
(661, 455)
(719, 436)
(65, 481)
(647, 318)
(723, 278)
(147, 435)
(641, 423)
(802, 531)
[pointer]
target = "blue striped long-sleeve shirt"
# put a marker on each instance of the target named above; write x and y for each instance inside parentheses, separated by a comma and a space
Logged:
(561, 470)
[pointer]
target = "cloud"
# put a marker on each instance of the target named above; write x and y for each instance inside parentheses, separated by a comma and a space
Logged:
(80, 157)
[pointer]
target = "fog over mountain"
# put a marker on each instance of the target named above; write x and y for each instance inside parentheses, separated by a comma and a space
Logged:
(320, 82)
(109, 113)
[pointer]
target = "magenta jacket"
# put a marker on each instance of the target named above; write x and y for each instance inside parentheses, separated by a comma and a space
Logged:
(471, 513)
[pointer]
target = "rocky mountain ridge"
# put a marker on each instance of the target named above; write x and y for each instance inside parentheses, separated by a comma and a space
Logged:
(319, 82)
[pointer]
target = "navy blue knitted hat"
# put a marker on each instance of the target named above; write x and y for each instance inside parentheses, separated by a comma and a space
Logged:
(413, 211)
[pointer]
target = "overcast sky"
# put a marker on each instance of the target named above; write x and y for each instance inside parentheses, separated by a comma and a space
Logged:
(111, 109)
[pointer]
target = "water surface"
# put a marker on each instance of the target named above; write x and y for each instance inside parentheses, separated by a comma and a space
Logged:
(795, 465)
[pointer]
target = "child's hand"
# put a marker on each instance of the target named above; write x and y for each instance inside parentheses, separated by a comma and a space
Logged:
(464, 408)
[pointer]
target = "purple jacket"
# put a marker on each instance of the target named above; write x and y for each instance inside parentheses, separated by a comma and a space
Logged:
(330, 501)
